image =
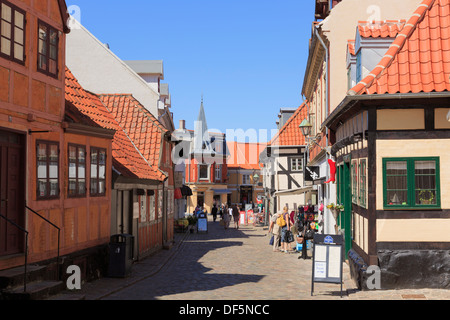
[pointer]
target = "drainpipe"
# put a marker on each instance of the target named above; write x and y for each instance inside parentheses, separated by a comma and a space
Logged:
(327, 103)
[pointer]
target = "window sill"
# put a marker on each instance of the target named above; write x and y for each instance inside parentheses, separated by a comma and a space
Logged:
(412, 208)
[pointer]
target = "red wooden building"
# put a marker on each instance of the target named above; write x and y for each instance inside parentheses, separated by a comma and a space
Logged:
(55, 171)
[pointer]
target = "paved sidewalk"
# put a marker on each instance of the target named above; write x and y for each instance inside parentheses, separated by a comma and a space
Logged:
(230, 265)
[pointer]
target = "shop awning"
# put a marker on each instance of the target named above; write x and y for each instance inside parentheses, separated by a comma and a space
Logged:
(293, 191)
(221, 191)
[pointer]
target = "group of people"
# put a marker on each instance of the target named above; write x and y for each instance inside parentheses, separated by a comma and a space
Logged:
(226, 213)
(288, 228)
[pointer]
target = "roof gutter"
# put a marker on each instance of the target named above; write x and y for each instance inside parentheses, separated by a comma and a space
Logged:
(327, 89)
(350, 100)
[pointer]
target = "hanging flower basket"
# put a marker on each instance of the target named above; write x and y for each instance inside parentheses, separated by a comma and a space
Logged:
(336, 210)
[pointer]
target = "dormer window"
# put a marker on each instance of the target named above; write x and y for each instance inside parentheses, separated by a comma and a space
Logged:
(358, 67)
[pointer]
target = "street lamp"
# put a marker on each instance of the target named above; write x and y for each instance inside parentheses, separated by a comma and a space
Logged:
(256, 178)
(306, 127)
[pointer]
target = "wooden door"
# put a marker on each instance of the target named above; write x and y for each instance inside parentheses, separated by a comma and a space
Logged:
(12, 192)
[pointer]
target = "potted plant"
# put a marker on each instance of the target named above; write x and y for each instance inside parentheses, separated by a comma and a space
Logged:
(426, 197)
(192, 219)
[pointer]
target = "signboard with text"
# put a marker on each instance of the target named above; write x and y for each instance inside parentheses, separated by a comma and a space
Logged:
(327, 259)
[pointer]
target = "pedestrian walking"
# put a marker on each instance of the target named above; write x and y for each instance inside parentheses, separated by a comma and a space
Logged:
(236, 215)
(275, 229)
(214, 212)
(226, 217)
(285, 230)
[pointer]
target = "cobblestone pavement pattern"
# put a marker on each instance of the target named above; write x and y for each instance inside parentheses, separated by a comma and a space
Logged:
(231, 265)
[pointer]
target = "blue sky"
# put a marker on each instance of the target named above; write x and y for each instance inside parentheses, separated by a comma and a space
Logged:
(247, 57)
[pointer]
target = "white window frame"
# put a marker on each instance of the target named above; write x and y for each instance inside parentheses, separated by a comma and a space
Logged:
(218, 172)
(295, 164)
(208, 172)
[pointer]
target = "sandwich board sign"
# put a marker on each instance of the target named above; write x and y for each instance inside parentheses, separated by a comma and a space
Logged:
(327, 259)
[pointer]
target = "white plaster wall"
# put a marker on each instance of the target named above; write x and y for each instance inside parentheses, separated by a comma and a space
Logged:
(99, 70)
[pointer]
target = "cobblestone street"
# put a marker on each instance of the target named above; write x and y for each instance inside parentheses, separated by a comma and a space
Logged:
(231, 265)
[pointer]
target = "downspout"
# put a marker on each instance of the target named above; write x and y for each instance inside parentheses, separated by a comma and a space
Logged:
(327, 105)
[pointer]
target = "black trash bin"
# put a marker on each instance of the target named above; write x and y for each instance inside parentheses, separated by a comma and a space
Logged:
(120, 255)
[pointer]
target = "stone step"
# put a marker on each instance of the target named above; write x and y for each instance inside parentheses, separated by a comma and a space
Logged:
(37, 290)
(15, 277)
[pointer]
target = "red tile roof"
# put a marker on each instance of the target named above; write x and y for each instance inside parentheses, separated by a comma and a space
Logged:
(126, 158)
(351, 47)
(290, 134)
(244, 155)
(380, 29)
(419, 58)
(146, 132)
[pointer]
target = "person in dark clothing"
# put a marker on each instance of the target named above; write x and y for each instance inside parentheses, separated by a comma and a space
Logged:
(214, 212)
(236, 215)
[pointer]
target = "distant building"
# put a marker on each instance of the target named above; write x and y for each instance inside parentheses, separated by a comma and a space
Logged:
(244, 173)
(204, 155)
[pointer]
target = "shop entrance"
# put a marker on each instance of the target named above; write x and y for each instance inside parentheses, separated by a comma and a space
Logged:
(12, 192)
(246, 195)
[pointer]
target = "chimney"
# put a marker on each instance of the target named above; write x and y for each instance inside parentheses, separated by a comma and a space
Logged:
(182, 124)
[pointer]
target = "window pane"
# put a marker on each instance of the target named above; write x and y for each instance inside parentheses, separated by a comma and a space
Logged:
(42, 33)
(42, 187)
(18, 52)
(72, 154)
(93, 186)
(101, 187)
(42, 170)
(42, 47)
(54, 187)
(425, 167)
(42, 62)
(94, 155)
(52, 67)
(53, 152)
(53, 52)
(18, 35)
(102, 158)
(6, 12)
(397, 182)
(72, 187)
(53, 37)
(94, 171)
(42, 152)
(425, 182)
(6, 29)
(81, 155)
(53, 170)
(101, 172)
(81, 186)
(19, 20)
(396, 168)
(397, 197)
(203, 172)
(5, 46)
(81, 171)
(72, 170)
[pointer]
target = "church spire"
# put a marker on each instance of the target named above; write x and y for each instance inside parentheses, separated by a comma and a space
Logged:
(202, 141)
